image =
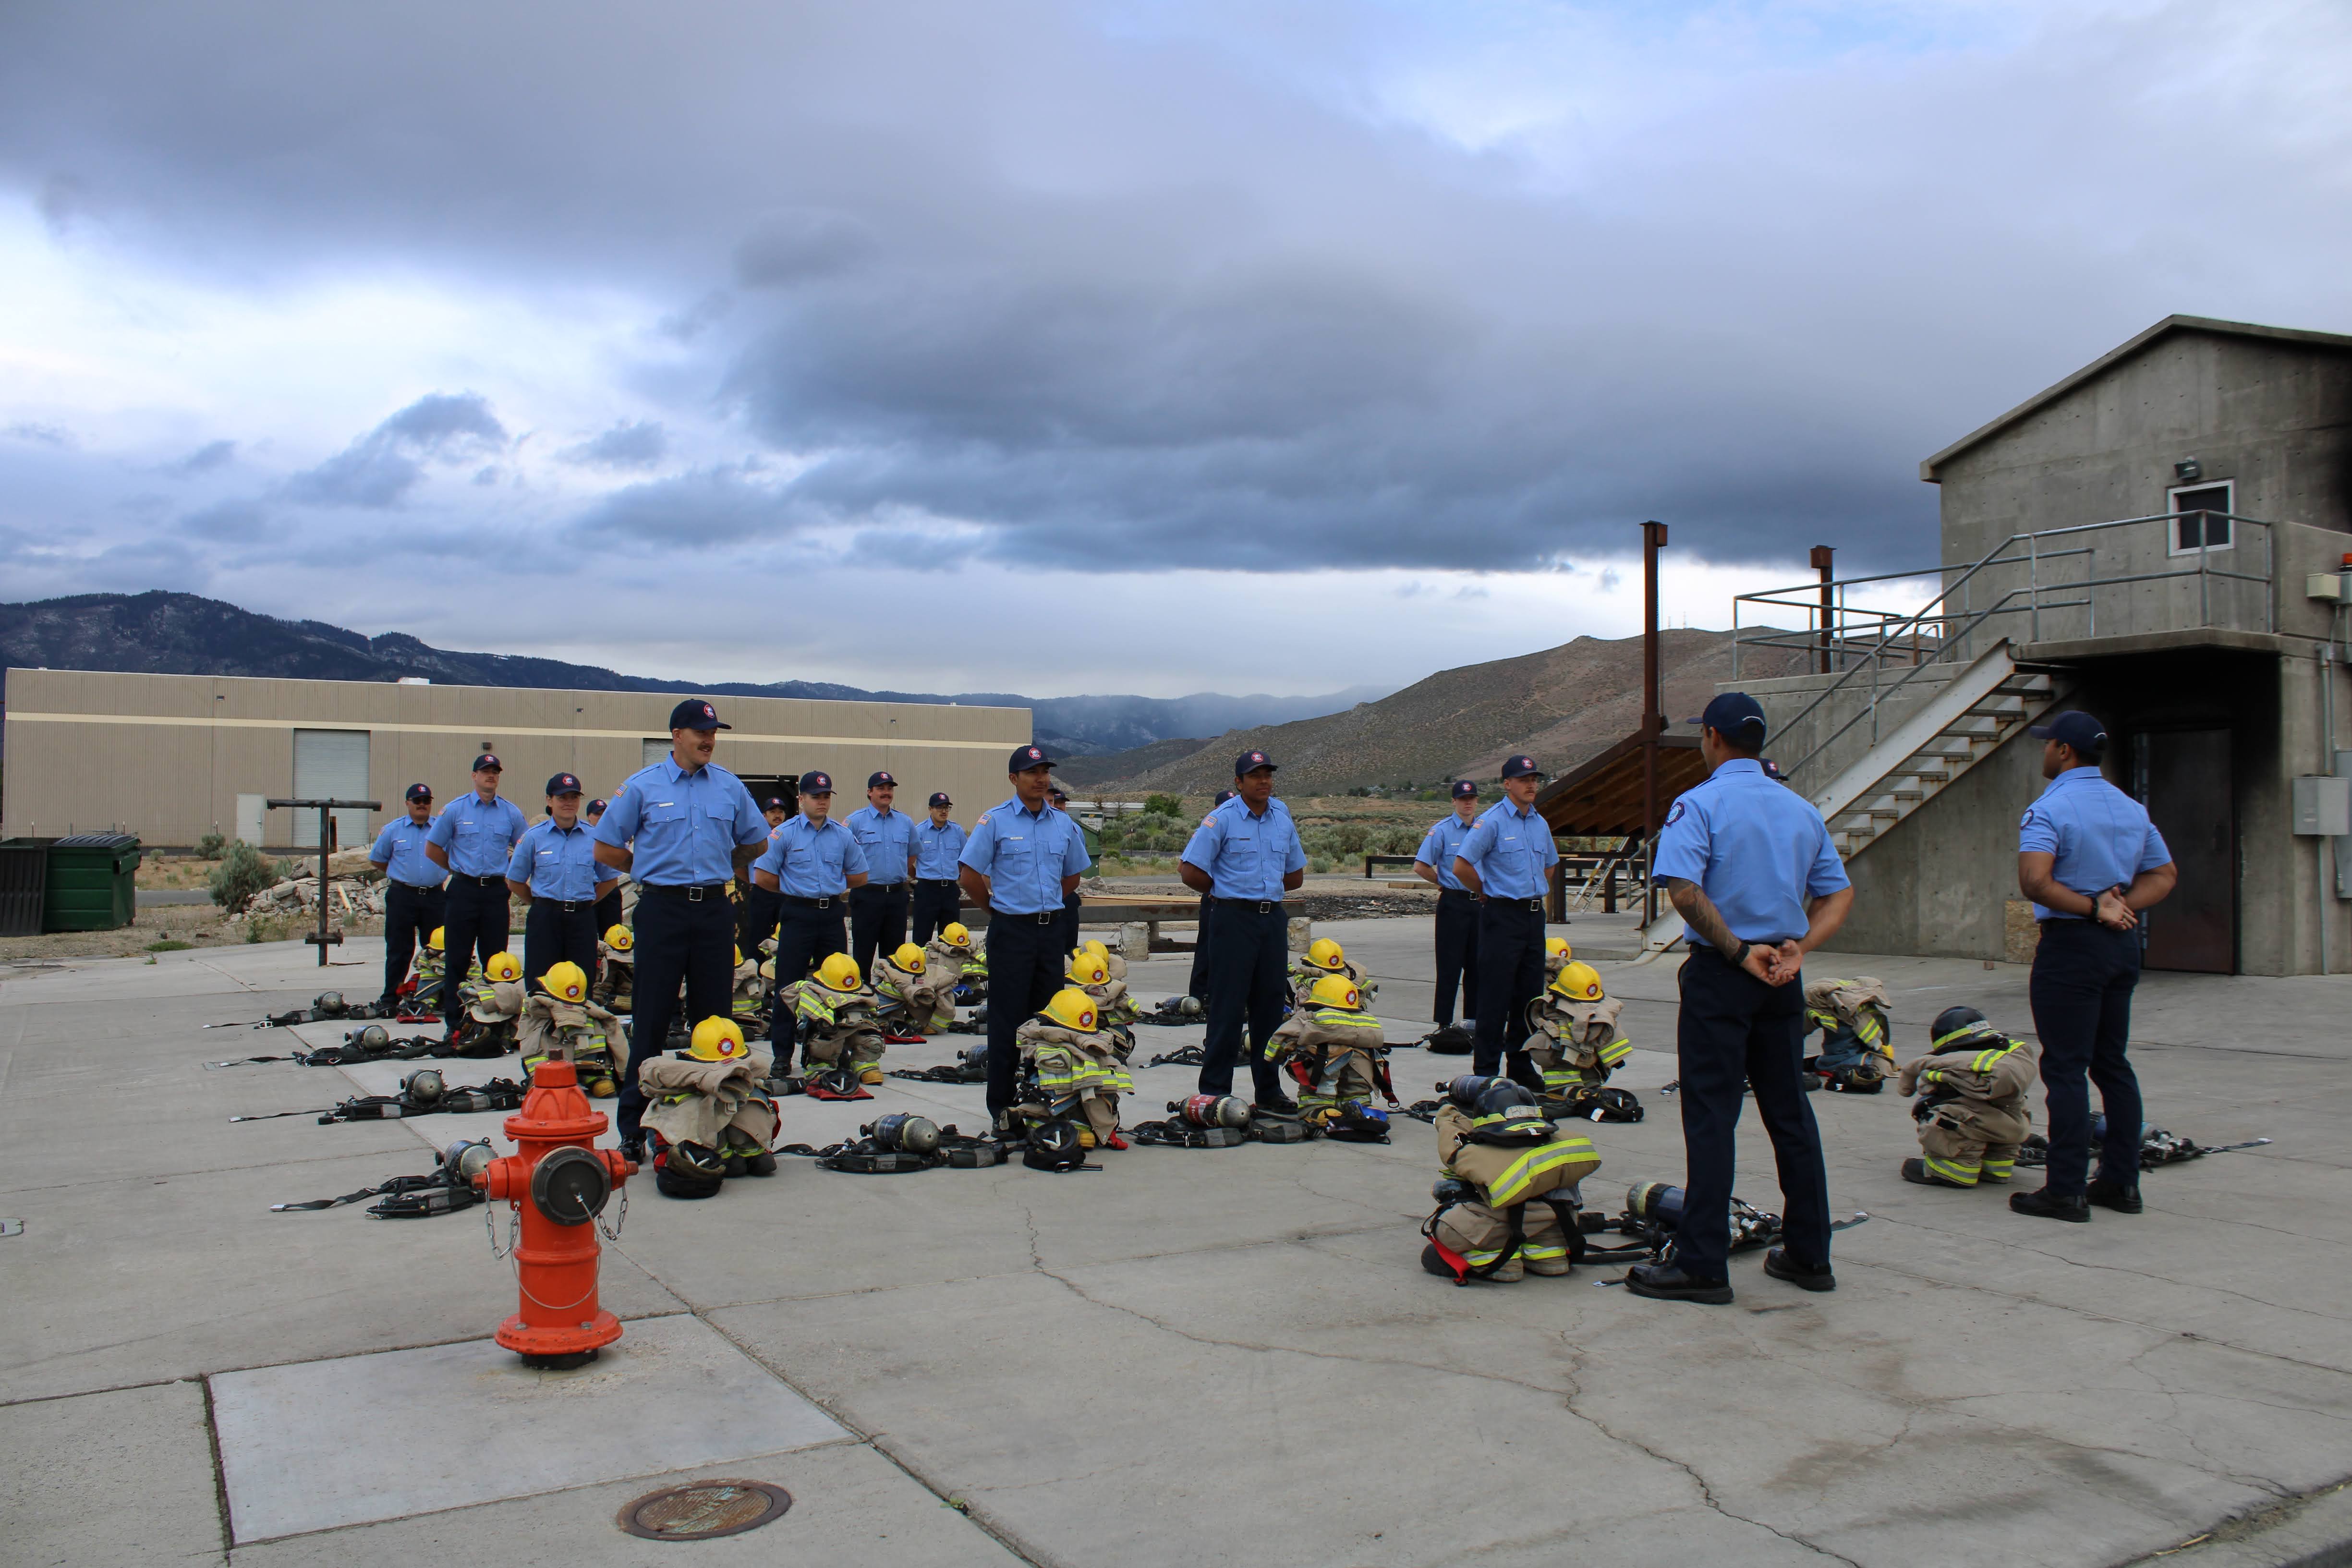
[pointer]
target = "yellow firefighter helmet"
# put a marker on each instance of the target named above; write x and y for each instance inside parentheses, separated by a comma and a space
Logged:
(503, 968)
(908, 959)
(955, 934)
(619, 938)
(1556, 947)
(565, 982)
(1326, 954)
(434, 941)
(1086, 968)
(1578, 981)
(1336, 991)
(738, 958)
(839, 972)
(1097, 946)
(717, 1040)
(1073, 1009)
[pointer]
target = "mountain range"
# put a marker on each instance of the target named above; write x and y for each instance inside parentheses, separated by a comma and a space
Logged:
(182, 634)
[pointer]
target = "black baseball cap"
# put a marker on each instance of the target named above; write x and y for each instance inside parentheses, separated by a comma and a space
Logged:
(1735, 715)
(876, 780)
(2077, 728)
(774, 803)
(487, 763)
(939, 797)
(1464, 789)
(1520, 767)
(593, 808)
(565, 784)
(694, 714)
(420, 792)
(1023, 758)
(817, 783)
(1249, 763)
(1223, 795)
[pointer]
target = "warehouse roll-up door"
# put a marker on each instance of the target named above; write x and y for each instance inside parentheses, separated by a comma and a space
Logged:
(653, 751)
(330, 764)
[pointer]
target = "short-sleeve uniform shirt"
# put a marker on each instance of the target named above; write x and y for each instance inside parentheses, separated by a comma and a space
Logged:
(2098, 837)
(1755, 847)
(1510, 849)
(477, 835)
(682, 828)
(1246, 854)
(1024, 854)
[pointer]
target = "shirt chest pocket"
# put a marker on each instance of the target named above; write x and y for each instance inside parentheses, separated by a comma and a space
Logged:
(663, 821)
(1017, 852)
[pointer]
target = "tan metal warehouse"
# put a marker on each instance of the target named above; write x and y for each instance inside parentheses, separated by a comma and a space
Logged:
(173, 757)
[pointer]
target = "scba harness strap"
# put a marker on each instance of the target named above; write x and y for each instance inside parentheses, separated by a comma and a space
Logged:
(1563, 1209)
(1175, 1134)
(405, 1197)
(863, 1157)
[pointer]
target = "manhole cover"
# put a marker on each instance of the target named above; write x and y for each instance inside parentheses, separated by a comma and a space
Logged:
(704, 1510)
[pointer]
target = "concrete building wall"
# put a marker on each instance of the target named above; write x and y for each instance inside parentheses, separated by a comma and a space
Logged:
(167, 756)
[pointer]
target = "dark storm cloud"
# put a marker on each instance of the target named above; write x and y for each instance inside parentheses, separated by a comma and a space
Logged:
(383, 466)
(707, 508)
(641, 444)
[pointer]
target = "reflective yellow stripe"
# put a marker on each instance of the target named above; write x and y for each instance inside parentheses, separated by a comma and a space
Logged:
(1615, 1051)
(1964, 1175)
(1537, 1254)
(1523, 1174)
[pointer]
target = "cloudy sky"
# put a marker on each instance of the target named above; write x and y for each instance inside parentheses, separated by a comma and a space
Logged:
(1066, 347)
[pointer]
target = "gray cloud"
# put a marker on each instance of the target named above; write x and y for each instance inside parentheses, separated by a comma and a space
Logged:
(42, 434)
(642, 444)
(383, 466)
(204, 459)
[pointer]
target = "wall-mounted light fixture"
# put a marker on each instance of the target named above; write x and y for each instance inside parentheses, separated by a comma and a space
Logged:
(2188, 470)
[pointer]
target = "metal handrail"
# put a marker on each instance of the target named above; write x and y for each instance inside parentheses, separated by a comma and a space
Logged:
(1950, 643)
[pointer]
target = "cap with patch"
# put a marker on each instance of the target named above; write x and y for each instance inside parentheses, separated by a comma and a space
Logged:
(1464, 790)
(939, 797)
(1735, 715)
(694, 714)
(1249, 763)
(1223, 795)
(563, 784)
(593, 808)
(817, 783)
(1028, 757)
(2077, 728)
(1521, 767)
(487, 763)
(774, 803)
(880, 781)
(420, 792)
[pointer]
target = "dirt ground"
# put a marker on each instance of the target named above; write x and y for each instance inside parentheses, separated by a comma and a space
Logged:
(196, 925)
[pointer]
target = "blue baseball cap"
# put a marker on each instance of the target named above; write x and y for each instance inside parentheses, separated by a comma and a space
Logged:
(1520, 767)
(1023, 758)
(694, 714)
(876, 780)
(593, 808)
(939, 797)
(487, 763)
(817, 783)
(2076, 729)
(1223, 795)
(565, 784)
(1736, 716)
(774, 803)
(1464, 789)
(1249, 763)
(420, 792)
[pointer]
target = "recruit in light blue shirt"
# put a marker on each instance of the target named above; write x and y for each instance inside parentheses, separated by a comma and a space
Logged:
(477, 835)
(686, 826)
(1438, 847)
(1510, 849)
(888, 839)
(558, 865)
(2099, 837)
(809, 861)
(1024, 854)
(1246, 856)
(400, 851)
(1755, 847)
(937, 844)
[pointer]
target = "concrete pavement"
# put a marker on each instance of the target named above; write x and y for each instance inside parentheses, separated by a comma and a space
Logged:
(1190, 1355)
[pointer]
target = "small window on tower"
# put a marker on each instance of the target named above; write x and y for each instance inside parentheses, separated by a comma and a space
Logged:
(2200, 517)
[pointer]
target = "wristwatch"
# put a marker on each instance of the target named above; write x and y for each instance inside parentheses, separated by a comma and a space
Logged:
(1741, 956)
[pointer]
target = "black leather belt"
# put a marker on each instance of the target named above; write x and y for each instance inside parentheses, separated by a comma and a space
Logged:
(1534, 905)
(883, 887)
(692, 893)
(1043, 918)
(416, 887)
(937, 881)
(477, 881)
(1255, 906)
(574, 906)
(798, 902)
(1452, 892)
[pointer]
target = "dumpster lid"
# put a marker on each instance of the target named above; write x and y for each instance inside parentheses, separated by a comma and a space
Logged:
(97, 841)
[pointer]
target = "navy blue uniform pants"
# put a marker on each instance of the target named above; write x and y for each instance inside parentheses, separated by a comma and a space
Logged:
(808, 932)
(410, 913)
(2082, 991)
(680, 938)
(1199, 985)
(759, 919)
(1511, 975)
(1066, 928)
(934, 904)
(473, 930)
(1457, 954)
(1024, 970)
(1733, 1031)
(878, 919)
(1249, 979)
(556, 932)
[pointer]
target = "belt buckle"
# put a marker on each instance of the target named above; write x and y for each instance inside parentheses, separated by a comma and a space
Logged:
(1265, 906)
(694, 895)
(824, 903)
(1045, 916)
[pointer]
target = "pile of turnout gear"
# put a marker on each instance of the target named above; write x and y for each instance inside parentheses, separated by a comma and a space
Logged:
(705, 1118)
(1073, 1072)
(1323, 959)
(1973, 1114)
(562, 1023)
(1498, 1156)
(1857, 1055)
(1576, 1045)
(445, 1189)
(836, 1026)
(911, 995)
(616, 970)
(1335, 1051)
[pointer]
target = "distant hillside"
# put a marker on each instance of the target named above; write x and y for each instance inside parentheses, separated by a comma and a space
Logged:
(1560, 706)
(181, 633)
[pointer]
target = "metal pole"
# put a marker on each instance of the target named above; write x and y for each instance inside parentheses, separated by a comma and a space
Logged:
(1654, 536)
(326, 847)
(2033, 582)
(1821, 556)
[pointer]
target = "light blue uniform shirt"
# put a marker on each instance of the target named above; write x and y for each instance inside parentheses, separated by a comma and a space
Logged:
(887, 842)
(1510, 849)
(558, 865)
(2100, 837)
(935, 848)
(1755, 847)
(1246, 856)
(810, 862)
(1442, 844)
(477, 836)
(686, 826)
(1024, 854)
(400, 851)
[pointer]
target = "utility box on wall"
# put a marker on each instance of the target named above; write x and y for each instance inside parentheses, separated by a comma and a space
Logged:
(2323, 807)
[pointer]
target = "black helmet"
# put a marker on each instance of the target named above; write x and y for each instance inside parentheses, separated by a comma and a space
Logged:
(1501, 1095)
(1054, 1146)
(1953, 1023)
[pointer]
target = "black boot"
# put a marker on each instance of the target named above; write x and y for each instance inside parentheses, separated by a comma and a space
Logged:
(1667, 1282)
(2110, 1195)
(2047, 1204)
(1812, 1276)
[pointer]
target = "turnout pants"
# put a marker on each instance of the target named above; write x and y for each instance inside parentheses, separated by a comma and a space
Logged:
(1457, 954)
(877, 918)
(1965, 1156)
(2081, 991)
(410, 913)
(934, 905)
(680, 937)
(1024, 970)
(1510, 976)
(1199, 985)
(809, 931)
(1734, 1030)
(473, 929)
(1249, 976)
(554, 931)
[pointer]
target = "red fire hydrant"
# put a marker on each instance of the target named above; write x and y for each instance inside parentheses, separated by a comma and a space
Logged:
(559, 1182)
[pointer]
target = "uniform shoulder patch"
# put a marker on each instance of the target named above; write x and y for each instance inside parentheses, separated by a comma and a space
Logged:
(1675, 812)
(2032, 815)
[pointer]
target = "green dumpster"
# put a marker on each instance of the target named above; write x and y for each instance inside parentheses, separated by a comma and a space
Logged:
(93, 883)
